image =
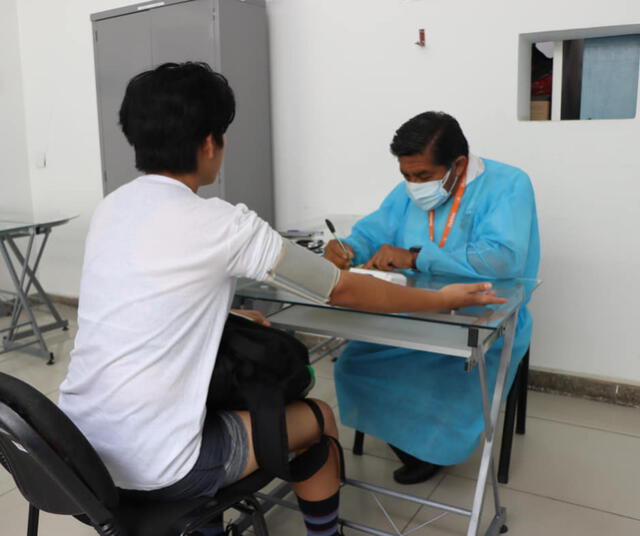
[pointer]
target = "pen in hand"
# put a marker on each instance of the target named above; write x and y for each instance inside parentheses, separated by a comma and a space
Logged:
(332, 229)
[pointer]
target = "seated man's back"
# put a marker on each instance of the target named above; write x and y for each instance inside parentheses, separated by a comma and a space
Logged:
(156, 287)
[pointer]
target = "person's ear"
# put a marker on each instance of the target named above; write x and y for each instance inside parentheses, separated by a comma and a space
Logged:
(209, 147)
(460, 165)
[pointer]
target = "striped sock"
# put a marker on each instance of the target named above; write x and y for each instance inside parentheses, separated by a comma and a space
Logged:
(321, 517)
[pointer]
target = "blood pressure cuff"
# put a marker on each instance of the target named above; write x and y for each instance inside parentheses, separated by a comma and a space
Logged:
(304, 273)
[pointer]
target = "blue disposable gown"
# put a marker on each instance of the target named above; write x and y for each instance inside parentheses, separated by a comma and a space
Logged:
(421, 402)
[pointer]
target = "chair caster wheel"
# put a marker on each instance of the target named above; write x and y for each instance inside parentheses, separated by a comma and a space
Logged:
(51, 359)
(504, 529)
(66, 328)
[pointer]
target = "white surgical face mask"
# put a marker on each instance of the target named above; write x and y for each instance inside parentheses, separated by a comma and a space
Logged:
(429, 195)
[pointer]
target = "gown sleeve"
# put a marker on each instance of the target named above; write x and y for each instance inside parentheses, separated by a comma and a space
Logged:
(499, 239)
(379, 227)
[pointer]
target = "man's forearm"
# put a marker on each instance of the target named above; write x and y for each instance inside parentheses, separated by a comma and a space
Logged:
(369, 293)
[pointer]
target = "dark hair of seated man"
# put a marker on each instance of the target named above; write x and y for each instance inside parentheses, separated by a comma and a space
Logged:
(167, 113)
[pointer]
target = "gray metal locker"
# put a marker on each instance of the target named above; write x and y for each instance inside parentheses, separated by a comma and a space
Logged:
(232, 37)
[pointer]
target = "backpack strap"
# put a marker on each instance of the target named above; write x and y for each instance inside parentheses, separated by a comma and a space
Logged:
(317, 412)
(324, 438)
(270, 438)
(331, 439)
(269, 429)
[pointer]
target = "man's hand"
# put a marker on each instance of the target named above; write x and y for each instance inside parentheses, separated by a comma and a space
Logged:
(334, 253)
(389, 258)
(256, 316)
(466, 295)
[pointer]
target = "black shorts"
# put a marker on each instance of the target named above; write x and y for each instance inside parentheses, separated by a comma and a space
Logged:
(222, 460)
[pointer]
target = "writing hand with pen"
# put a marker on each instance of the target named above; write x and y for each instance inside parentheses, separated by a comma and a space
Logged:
(341, 256)
(338, 252)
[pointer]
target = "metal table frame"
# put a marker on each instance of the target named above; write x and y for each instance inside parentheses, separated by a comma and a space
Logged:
(478, 340)
(22, 270)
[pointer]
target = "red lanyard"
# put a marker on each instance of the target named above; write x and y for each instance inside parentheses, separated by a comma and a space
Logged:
(452, 213)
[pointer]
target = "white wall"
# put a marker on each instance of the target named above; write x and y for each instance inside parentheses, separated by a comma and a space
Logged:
(346, 74)
(15, 192)
(62, 126)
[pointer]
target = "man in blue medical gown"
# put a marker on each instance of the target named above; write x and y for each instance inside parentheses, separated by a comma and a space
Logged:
(453, 214)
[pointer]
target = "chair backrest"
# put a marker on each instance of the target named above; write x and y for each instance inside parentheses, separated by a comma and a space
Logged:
(52, 463)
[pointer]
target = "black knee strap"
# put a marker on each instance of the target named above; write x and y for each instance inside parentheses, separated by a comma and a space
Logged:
(326, 440)
(317, 412)
(270, 439)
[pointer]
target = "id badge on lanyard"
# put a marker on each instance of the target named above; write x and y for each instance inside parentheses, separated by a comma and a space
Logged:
(453, 212)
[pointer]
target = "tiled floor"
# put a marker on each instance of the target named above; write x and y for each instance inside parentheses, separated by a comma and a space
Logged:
(575, 472)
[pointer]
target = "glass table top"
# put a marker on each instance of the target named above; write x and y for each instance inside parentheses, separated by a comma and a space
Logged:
(15, 223)
(516, 291)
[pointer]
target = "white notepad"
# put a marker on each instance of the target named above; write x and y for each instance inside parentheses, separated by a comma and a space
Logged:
(392, 277)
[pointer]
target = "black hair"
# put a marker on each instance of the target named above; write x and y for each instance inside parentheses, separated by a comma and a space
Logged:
(167, 113)
(435, 131)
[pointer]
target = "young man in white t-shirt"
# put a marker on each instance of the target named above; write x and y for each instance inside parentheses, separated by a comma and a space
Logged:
(157, 283)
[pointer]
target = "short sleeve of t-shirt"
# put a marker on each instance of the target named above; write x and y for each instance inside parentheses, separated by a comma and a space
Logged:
(253, 247)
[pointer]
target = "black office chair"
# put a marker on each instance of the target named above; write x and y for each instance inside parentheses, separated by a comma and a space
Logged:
(57, 471)
(516, 404)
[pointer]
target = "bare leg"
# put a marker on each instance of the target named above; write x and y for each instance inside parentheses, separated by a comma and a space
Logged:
(304, 431)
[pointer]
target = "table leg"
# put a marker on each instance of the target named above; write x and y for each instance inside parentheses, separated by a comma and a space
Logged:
(491, 419)
(24, 262)
(17, 307)
(31, 272)
(23, 303)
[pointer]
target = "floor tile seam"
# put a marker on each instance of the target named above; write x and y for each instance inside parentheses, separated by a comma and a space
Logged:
(376, 508)
(372, 455)
(555, 499)
(418, 505)
(408, 523)
(443, 475)
(429, 497)
(8, 491)
(595, 509)
(574, 425)
(421, 506)
(415, 514)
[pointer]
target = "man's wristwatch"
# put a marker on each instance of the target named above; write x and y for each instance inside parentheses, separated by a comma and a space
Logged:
(416, 250)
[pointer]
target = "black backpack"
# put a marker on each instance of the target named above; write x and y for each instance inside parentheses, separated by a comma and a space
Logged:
(262, 369)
